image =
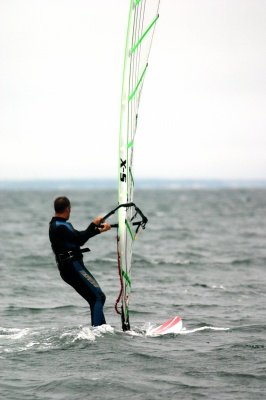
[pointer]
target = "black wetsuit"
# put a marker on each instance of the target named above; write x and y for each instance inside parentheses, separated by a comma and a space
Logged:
(66, 242)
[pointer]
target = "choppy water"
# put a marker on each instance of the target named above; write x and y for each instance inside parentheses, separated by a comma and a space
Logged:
(202, 256)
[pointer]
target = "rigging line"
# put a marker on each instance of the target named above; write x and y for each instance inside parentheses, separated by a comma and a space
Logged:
(135, 64)
(149, 46)
(138, 56)
(133, 71)
(144, 34)
(132, 105)
(151, 40)
(124, 123)
(131, 176)
(156, 19)
(138, 53)
(131, 108)
(133, 90)
(134, 37)
(130, 84)
(132, 75)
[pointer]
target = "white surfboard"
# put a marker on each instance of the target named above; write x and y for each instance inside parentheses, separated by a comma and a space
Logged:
(172, 325)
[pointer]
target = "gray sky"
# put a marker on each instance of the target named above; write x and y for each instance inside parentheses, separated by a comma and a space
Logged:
(202, 112)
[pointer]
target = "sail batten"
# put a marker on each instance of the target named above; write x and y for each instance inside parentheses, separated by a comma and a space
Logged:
(130, 97)
(144, 34)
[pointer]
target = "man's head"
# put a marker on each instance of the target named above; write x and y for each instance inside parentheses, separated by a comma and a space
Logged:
(62, 206)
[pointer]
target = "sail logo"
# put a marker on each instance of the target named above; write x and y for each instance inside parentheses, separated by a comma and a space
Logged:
(123, 167)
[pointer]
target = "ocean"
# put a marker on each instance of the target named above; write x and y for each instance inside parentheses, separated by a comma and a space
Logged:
(202, 256)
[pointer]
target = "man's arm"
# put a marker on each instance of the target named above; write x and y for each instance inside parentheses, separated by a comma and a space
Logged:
(71, 235)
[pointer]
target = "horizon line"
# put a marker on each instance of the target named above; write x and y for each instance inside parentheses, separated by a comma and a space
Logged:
(142, 183)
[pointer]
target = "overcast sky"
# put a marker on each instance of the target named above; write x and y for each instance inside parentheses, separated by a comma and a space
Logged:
(202, 112)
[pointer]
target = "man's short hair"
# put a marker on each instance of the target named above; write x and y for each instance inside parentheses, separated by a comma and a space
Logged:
(61, 203)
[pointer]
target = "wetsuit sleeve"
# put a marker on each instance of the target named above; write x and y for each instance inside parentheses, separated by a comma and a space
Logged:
(77, 237)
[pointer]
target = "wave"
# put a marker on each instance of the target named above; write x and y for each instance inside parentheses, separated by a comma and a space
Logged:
(16, 310)
(42, 339)
(205, 286)
(181, 259)
(242, 261)
(256, 328)
(13, 333)
(146, 328)
(16, 340)
(185, 331)
(186, 259)
(242, 346)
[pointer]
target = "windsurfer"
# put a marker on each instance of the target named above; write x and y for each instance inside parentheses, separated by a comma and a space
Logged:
(66, 242)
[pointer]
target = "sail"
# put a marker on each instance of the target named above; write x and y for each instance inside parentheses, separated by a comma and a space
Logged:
(143, 15)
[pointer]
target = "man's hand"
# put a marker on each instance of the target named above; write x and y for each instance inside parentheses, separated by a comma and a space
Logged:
(102, 226)
(98, 220)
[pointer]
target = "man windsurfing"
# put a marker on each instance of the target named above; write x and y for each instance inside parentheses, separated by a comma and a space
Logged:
(66, 242)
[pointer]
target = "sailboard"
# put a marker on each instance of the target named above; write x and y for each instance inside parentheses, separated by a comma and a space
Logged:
(142, 18)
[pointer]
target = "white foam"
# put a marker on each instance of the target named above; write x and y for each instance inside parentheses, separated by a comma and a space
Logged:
(85, 334)
(31, 344)
(185, 331)
(13, 333)
(91, 333)
(147, 329)
(133, 333)
(105, 328)
(218, 287)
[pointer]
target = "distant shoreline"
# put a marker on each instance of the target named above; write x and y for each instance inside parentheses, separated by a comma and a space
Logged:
(84, 184)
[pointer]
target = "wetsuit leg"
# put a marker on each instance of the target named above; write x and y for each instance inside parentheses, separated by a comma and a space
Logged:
(76, 275)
